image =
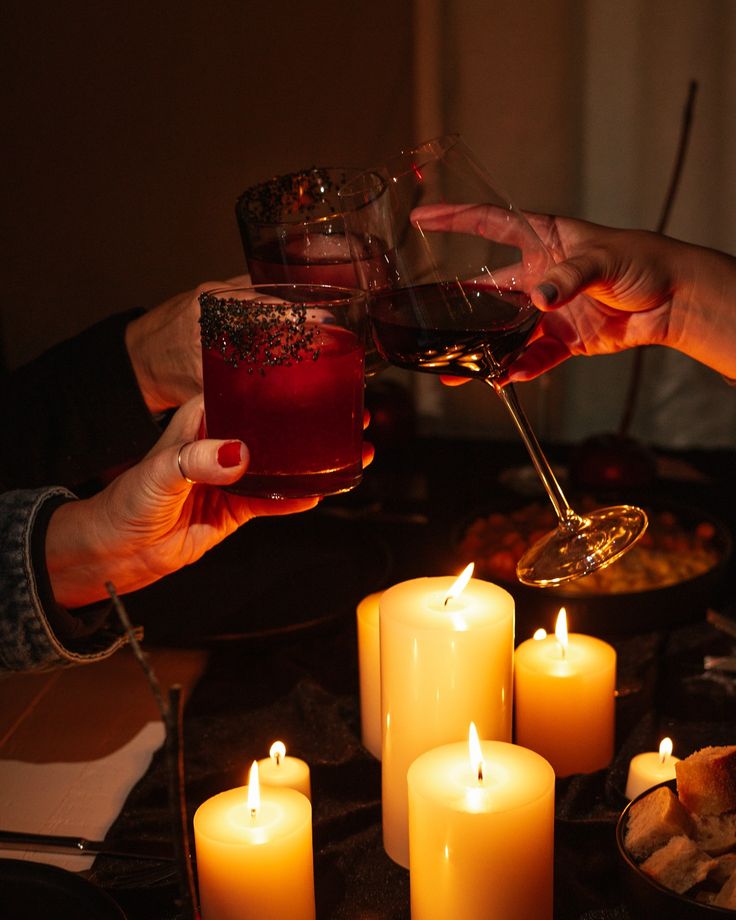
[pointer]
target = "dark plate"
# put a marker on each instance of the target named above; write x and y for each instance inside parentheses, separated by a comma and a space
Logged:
(29, 890)
(275, 577)
(625, 613)
(645, 897)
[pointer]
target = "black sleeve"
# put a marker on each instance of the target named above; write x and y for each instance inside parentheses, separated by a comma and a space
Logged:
(74, 414)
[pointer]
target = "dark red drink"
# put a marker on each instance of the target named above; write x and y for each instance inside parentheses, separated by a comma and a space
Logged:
(293, 232)
(315, 257)
(466, 330)
(304, 258)
(294, 394)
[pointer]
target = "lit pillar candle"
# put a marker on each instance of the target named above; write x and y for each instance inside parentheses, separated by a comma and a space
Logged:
(254, 854)
(278, 769)
(564, 700)
(369, 666)
(481, 830)
(650, 768)
(446, 659)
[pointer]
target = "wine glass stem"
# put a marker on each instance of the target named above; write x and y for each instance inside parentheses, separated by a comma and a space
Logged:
(565, 515)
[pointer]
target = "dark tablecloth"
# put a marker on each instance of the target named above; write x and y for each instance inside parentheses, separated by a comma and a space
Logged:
(276, 606)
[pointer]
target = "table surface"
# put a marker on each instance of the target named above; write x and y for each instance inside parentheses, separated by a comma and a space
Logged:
(261, 635)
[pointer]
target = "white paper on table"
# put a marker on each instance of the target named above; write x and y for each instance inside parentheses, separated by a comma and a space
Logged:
(72, 799)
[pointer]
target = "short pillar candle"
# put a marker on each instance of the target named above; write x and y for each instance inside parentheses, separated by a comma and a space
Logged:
(650, 768)
(254, 854)
(564, 699)
(280, 769)
(481, 841)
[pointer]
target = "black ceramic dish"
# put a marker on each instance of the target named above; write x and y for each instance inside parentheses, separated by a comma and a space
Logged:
(646, 898)
(29, 890)
(625, 613)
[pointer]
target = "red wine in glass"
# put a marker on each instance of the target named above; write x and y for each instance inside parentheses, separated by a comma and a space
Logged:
(478, 342)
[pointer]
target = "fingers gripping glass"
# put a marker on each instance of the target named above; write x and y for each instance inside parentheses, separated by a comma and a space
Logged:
(452, 296)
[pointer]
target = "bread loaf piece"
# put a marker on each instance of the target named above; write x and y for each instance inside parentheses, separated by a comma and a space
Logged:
(655, 819)
(716, 834)
(724, 870)
(706, 780)
(726, 897)
(679, 865)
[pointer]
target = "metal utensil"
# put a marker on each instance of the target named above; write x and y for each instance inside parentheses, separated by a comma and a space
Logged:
(144, 849)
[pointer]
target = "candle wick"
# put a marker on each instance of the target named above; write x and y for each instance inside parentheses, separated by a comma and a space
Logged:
(447, 599)
(253, 813)
(480, 772)
(278, 758)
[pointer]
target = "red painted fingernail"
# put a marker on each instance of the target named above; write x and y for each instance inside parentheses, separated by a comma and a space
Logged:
(229, 454)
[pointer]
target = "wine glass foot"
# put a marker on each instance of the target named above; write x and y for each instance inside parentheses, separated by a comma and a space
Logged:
(582, 546)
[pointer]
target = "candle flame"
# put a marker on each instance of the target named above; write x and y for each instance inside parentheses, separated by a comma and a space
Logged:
(540, 634)
(665, 749)
(561, 631)
(477, 765)
(254, 790)
(458, 586)
(277, 751)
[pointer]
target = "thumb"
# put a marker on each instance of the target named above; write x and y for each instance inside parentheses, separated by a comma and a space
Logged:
(567, 279)
(211, 461)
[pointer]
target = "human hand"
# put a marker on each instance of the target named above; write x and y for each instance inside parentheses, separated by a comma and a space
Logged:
(165, 349)
(610, 289)
(151, 521)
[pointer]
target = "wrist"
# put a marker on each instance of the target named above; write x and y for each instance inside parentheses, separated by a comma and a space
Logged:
(703, 323)
(74, 557)
(135, 341)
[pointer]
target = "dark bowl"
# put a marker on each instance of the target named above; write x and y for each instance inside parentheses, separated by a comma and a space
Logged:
(624, 613)
(646, 898)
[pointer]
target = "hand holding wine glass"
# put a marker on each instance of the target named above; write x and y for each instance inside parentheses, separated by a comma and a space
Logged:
(612, 289)
(454, 297)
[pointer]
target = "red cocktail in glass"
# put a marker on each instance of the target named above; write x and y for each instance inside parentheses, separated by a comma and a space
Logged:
(283, 369)
(293, 232)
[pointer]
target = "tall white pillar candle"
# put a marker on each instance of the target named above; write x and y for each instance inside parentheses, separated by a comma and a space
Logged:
(445, 661)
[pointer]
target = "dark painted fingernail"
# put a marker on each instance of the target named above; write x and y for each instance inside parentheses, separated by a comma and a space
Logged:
(229, 454)
(549, 292)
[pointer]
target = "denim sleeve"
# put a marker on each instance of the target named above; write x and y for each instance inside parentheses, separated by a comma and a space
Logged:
(29, 620)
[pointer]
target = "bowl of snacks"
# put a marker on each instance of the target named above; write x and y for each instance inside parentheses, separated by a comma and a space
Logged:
(669, 577)
(676, 842)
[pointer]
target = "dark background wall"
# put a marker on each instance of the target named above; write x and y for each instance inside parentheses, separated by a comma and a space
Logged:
(131, 127)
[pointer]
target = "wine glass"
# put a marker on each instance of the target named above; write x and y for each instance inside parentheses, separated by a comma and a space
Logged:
(453, 297)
